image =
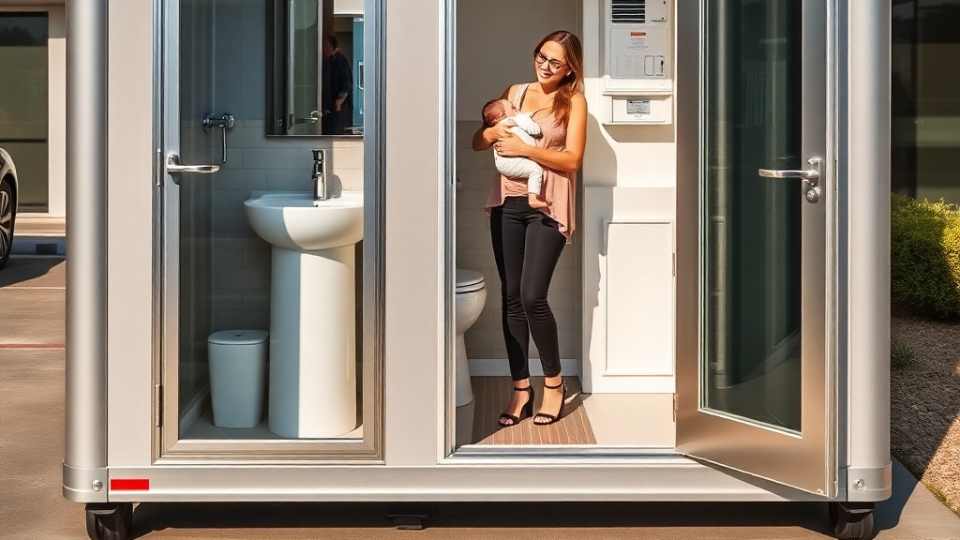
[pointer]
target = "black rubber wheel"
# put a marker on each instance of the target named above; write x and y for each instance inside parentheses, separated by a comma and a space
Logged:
(7, 220)
(852, 521)
(109, 521)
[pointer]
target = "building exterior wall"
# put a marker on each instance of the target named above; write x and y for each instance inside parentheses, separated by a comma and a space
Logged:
(56, 98)
(926, 106)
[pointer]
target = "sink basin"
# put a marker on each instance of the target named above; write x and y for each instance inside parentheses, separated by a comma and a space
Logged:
(293, 220)
(312, 389)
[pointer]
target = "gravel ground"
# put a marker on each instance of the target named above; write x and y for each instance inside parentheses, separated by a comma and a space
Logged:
(925, 395)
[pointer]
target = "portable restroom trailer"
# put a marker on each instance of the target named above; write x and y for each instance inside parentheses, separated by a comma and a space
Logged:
(281, 288)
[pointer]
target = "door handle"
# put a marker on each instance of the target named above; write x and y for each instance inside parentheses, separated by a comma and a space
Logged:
(175, 168)
(810, 177)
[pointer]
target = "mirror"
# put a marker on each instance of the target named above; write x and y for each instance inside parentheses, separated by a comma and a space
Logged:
(315, 68)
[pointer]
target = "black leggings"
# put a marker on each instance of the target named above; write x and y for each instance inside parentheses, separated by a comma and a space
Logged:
(527, 244)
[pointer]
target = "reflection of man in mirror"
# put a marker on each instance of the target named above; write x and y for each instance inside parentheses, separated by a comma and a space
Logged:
(337, 88)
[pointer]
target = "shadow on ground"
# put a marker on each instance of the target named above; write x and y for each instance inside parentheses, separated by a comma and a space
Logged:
(21, 269)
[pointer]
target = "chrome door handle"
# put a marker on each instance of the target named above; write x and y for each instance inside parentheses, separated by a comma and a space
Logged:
(175, 168)
(810, 177)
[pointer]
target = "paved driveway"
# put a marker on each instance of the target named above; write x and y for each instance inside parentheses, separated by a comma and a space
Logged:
(31, 441)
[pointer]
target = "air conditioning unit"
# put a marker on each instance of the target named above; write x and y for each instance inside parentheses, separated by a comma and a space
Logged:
(638, 60)
(638, 42)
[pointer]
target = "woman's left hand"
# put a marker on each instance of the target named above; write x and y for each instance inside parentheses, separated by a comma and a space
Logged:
(511, 146)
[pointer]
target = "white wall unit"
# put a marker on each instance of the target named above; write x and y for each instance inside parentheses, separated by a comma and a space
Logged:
(645, 109)
(638, 47)
(637, 61)
(628, 291)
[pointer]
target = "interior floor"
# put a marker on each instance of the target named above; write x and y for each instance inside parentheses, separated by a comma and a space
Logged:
(589, 419)
(490, 395)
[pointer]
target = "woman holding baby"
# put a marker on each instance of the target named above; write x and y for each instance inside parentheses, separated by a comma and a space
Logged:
(529, 230)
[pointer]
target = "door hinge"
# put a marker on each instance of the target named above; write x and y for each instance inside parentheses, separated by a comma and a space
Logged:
(674, 408)
(157, 405)
(674, 264)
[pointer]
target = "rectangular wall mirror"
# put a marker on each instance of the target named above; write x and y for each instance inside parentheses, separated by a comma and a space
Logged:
(315, 68)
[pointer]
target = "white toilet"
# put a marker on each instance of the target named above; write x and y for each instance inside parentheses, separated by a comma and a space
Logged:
(471, 295)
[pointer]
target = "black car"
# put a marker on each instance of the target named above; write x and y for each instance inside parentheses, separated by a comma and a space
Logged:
(8, 205)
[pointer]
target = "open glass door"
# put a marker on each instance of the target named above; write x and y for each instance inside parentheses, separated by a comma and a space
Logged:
(753, 396)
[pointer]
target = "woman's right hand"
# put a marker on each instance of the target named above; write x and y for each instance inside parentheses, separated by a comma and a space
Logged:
(498, 132)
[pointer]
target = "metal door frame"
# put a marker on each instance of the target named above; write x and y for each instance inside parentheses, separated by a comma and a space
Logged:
(167, 445)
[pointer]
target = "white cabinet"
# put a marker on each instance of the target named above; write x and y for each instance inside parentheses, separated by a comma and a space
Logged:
(628, 343)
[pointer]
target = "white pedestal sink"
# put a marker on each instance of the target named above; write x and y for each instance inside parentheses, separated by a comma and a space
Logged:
(313, 385)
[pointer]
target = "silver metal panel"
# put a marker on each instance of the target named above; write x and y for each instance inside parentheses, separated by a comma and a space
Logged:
(85, 452)
(168, 447)
(375, 221)
(131, 96)
(867, 116)
(414, 392)
(806, 461)
(450, 223)
(570, 478)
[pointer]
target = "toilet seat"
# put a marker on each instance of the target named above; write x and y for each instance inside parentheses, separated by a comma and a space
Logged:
(469, 281)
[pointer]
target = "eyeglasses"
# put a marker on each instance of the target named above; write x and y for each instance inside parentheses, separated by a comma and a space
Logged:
(554, 64)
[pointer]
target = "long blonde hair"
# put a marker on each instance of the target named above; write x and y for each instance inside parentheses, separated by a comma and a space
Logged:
(573, 81)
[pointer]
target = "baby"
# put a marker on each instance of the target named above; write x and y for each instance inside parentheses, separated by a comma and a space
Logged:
(523, 126)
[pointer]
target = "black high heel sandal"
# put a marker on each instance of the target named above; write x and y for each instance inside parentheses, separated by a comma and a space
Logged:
(525, 411)
(552, 417)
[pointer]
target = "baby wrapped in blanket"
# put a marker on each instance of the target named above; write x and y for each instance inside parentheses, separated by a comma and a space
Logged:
(524, 127)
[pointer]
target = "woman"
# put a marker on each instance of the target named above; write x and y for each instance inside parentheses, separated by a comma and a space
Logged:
(527, 242)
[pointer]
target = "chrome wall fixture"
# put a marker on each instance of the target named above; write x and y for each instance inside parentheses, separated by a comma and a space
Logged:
(223, 122)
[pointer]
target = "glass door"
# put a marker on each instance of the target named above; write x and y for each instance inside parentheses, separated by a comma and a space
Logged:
(754, 398)
(265, 245)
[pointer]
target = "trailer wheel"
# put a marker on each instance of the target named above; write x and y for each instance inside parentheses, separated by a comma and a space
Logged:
(852, 521)
(107, 521)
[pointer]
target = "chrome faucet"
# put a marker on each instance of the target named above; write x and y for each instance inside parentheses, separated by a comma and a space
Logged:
(320, 174)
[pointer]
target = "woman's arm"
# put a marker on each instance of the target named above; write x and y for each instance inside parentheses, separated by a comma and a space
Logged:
(567, 160)
(484, 137)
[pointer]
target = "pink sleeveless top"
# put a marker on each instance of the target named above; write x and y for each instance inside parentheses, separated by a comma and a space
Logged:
(558, 187)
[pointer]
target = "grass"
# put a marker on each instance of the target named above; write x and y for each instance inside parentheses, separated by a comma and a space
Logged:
(901, 355)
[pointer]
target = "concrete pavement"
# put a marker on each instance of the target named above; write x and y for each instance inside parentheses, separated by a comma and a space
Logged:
(31, 443)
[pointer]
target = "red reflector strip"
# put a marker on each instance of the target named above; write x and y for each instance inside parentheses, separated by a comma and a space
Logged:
(130, 484)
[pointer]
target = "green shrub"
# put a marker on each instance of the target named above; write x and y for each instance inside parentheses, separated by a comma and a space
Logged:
(925, 256)
(901, 355)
